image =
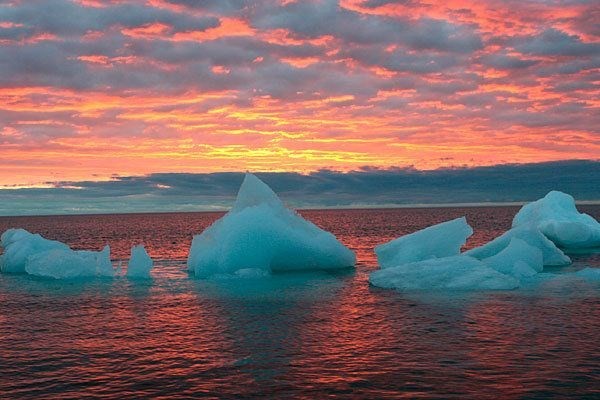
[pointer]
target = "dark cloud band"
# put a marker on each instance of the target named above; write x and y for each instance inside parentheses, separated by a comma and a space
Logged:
(366, 187)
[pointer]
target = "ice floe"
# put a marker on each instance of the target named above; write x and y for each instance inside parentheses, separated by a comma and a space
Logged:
(25, 252)
(441, 240)
(70, 264)
(447, 273)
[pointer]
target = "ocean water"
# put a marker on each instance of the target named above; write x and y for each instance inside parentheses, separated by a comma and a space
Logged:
(302, 335)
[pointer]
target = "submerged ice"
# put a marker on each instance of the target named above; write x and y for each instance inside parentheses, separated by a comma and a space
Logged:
(25, 252)
(260, 233)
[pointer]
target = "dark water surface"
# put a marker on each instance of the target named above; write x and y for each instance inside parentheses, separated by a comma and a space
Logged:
(313, 335)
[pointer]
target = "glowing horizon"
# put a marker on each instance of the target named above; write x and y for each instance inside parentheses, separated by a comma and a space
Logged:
(90, 89)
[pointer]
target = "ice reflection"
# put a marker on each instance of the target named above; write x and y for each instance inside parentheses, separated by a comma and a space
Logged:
(292, 335)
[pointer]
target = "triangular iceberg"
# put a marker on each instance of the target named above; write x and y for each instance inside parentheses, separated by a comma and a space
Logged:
(260, 233)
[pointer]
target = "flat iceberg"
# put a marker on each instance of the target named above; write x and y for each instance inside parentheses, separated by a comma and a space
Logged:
(441, 240)
(25, 252)
(558, 219)
(448, 273)
(260, 233)
(518, 259)
(551, 255)
(140, 263)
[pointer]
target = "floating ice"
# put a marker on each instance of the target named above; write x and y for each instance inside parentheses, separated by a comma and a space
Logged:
(69, 264)
(551, 254)
(18, 245)
(140, 263)
(448, 273)
(556, 216)
(518, 259)
(261, 233)
(25, 252)
(441, 240)
(589, 274)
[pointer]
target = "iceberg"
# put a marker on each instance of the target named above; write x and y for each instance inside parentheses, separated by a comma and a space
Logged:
(19, 244)
(518, 259)
(441, 240)
(551, 255)
(558, 219)
(448, 273)
(69, 264)
(25, 252)
(260, 233)
(140, 263)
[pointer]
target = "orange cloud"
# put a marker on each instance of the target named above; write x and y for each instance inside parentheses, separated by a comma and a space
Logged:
(403, 84)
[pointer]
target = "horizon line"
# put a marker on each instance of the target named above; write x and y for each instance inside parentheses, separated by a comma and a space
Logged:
(323, 208)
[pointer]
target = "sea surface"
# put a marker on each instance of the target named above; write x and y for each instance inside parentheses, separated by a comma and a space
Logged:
(300, 335)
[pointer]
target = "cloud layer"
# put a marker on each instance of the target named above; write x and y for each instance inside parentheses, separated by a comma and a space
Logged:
(92, 88)
(364, 187)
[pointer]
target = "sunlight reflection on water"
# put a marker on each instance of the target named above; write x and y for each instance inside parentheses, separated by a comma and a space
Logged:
(307, 335)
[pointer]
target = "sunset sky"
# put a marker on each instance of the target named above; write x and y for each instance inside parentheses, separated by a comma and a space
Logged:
(93, 90)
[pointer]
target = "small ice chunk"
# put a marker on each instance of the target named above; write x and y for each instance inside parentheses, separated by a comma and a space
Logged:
(448, 273)
(140, 263)
(551, 254)
(261, 233)
(518, 259)
(556, 216)
(441, 240)
(18, 245)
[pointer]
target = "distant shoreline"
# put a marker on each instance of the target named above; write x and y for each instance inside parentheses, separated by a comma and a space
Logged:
(336, 208)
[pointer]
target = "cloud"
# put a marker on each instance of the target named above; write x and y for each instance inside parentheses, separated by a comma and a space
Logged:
(553, 42)
(367, 186)
(67, 18)
(135, 87)
(313, 19)
(503, 61)
(224, 7)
